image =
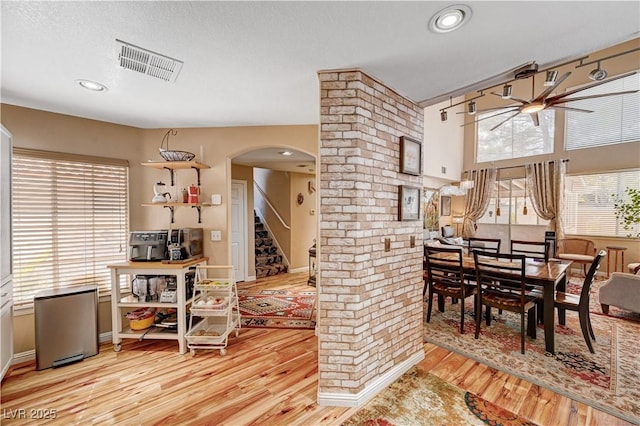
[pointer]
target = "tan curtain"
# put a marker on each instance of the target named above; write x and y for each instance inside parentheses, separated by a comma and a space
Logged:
(546, 184)
(477, 200)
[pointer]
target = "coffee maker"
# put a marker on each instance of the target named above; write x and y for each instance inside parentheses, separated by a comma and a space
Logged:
(148, 245)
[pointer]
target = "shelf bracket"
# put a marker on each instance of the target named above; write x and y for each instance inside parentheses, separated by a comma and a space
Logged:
(197, 176)
(171, 172)
(199, 213)
(172, 208)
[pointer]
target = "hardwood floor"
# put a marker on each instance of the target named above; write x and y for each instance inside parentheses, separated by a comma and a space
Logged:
(268, 377)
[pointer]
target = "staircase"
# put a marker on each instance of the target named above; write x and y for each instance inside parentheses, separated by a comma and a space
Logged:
(268, 259)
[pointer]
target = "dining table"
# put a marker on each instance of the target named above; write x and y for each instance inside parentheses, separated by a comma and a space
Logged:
(550, 276)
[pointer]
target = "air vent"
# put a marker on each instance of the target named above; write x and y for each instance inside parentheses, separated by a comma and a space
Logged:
(147, 62)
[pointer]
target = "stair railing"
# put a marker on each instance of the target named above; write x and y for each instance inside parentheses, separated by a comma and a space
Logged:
(273, 209)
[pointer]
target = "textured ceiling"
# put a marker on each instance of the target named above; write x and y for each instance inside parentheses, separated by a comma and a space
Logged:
(256, 63)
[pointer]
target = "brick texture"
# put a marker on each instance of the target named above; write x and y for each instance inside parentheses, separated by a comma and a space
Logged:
(370, 303)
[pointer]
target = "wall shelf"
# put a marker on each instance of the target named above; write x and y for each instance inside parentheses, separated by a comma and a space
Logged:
(177, 165)
(172, 206)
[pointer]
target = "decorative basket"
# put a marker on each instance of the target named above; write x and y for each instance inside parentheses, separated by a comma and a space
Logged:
(170, 155)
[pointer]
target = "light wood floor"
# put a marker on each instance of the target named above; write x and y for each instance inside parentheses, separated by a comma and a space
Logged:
(268, 377)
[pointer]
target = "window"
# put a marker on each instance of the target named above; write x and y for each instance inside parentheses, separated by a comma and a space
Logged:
(70, 220)
(614, 118)
(516, 138)
(589, 202)
(512, 202)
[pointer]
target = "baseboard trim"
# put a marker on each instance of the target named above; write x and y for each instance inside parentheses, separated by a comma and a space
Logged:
(303, 269)
(376, 386)
(28, 356)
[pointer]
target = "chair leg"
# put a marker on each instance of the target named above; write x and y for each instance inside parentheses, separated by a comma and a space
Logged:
(593, 336)
(584, 325)
(522, 333)
(532, 323)
(487, 316)
(462, 317)
(478, 315)
(440, 303)
(429, 304)
(540, 313)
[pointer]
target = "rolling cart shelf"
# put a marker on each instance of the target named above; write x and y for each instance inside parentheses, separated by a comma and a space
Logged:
(215, 306)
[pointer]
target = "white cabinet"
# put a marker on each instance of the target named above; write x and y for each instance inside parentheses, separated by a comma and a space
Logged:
(6, 278)
(121, 305)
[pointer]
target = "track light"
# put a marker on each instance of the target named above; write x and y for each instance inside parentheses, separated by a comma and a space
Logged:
(443, 115)
(551, 78)
(598, 74)
(471, 107)
(506, 91)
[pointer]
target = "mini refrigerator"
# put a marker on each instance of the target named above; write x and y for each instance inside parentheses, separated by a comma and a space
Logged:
(66, 326)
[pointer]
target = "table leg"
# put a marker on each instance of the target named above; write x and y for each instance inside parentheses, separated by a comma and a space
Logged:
(549, 313)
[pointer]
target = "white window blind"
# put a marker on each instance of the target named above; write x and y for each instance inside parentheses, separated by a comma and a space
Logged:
(70, 220)
(615, 119)
(589, 202)
(516, 138)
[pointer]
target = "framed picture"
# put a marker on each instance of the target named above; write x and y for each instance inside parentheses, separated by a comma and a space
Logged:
(410, 156)
(409, 202)
(445, 205)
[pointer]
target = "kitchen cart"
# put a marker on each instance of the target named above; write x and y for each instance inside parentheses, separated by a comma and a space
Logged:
(215, 312)
(120, 305)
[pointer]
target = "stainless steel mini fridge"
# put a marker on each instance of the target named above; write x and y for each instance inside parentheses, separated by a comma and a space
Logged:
(66, 325)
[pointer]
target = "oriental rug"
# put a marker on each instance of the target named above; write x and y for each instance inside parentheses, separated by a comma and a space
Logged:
(419, 398)
(574, 287)
(273, 309)
(607, 380)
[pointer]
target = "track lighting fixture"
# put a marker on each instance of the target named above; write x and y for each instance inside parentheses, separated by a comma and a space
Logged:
(551, 78)
(471, 107)
(443, 115)
(598, 74)
(506, 91)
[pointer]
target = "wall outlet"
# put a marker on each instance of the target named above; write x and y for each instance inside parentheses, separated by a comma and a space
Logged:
(216, 199)
(216, 235)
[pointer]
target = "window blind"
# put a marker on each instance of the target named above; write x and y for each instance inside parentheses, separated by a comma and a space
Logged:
(589, 202)
(70, 220)
(614, 118)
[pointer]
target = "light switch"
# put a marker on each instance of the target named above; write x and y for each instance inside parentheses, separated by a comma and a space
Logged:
(216, 199)
(387, 244)
(216, 235)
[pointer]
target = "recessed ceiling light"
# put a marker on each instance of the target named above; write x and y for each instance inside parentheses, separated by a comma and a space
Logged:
(450, 18)
(286, 153)
(92, 85)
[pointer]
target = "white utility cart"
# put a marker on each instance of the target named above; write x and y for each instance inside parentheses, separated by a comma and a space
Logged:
(215, 306)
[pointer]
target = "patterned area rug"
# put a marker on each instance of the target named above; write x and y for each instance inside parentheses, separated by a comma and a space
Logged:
(607, 380)
(277, 309)
(419, 398)
(575, 285)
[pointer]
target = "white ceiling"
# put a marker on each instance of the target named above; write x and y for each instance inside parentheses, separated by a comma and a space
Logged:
(256, 63)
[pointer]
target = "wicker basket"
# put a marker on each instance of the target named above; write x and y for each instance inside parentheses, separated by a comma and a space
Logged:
(170, 155)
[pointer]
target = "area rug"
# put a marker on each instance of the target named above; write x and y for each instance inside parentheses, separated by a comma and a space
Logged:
(607, 380)
(270, 309)
(419, 398)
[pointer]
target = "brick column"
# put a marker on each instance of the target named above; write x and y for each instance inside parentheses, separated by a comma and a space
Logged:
(370, 304)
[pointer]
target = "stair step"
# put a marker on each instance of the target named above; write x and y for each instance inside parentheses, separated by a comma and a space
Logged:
(269, 259)
(270, 270)
(266, 250)
(264, 242)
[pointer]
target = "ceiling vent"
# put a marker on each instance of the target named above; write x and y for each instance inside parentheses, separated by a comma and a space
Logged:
(147, 62)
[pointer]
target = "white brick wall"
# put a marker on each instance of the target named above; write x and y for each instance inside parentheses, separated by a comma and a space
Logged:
(370, 305)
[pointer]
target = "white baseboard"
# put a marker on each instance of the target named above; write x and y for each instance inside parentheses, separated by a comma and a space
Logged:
(376, 386)
(303, 269)
(31, 355)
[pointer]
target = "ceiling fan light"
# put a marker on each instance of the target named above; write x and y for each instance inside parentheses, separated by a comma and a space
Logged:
(551, 78)
(443, 115)
(532, 108)
(471, 108)
(506, 91)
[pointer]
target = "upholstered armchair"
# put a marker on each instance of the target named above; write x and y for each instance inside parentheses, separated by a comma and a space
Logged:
(621, 290)
(578, 250)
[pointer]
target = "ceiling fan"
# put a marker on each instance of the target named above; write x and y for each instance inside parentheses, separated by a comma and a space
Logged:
(543, 101)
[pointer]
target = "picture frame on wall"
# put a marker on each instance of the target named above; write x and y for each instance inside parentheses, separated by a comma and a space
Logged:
(445, 205)
(410, 156)
(409, 202)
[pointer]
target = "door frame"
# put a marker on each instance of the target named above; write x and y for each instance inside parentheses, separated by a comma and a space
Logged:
(243, 227)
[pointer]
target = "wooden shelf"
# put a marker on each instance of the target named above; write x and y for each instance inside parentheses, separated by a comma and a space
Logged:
(177, 165)
(172, 206)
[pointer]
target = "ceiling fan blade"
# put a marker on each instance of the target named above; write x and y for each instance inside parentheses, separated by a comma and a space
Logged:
(490, 116)
(552, 101)
(550, 89)
(536, 118)
(589, 86)
(566, 108)
(504, 121)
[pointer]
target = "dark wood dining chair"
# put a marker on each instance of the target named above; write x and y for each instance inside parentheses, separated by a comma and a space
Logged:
(580, 304)
(500, 280)
(538, 250)
(484, 244)
(445, 277)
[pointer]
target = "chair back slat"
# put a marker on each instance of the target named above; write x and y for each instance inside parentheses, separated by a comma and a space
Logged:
(531, 249)
(444, 264)
(484, 244)
(500, 272)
